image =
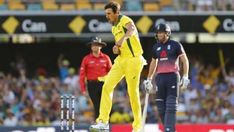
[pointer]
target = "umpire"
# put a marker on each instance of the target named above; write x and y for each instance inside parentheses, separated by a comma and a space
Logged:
(165, 61)
(93, 69)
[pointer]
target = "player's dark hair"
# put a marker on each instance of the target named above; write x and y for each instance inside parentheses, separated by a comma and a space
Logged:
(113, 5)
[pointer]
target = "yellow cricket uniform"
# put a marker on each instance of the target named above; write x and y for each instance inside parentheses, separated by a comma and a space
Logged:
(132, 46)
(128, 64)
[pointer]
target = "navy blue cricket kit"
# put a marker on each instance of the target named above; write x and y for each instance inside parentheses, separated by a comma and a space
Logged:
(167, 80)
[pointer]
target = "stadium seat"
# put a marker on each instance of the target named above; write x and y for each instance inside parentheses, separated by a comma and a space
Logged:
(65, 1)
(83, 5)
(151, 6)
(15, 5)
(98, 6)
(31, 1)
(99, 1)
(34, 7)
(119, 1)
(14, 1)
(2, 2)
(166, 3)
(3, 7)
(67, 7)
(49, 1)
(49, 5)
(133, 5)
(82, 1)
(167, 8)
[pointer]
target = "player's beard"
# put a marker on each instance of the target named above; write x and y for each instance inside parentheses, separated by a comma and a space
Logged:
(111, 22)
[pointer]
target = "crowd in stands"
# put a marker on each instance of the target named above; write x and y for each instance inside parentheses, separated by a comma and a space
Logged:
(210, 98)
(36, 100)
(127, 5)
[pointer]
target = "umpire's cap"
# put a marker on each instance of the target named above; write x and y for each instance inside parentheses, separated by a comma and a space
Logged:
(97, 40)
(163, 28)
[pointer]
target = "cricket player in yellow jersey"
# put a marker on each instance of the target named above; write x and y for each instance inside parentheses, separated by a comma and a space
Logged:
(128, 64)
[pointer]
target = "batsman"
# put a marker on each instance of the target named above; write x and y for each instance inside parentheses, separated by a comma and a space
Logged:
(128, 64)
(165, 61)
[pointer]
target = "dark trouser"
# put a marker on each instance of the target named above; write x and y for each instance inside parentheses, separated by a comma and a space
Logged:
(166, 99)
(95, 93)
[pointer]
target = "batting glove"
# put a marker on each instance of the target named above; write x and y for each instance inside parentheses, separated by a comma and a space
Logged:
(184, 82)
(148, 85)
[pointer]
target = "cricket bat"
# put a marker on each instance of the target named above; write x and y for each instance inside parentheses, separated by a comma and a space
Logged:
(145, 111)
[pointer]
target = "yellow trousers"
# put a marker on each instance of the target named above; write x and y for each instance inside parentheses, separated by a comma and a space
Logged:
(130, 68)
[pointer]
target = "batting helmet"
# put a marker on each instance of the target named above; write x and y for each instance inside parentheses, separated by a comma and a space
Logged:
(163, 28)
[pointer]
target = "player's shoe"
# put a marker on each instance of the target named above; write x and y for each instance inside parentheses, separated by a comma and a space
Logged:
(100, 126)
(137, 130)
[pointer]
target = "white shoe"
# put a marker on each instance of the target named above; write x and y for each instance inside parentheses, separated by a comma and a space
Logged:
(138, 130)
(99, 126)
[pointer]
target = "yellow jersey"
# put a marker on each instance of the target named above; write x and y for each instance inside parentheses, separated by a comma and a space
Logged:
(132, 46)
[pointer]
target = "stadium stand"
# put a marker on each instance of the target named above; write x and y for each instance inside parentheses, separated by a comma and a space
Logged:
(34, 7)
(50, 5)
(83, 5)
(151, 6)
(16, 5)
(67, 7)
(3, 7)
(128, 5)
(133, 5)
(210, 99)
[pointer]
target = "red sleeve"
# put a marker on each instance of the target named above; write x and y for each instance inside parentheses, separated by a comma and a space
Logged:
(109, 63)
(83, 75)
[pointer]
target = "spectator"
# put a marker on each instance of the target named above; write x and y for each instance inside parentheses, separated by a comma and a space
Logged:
(22, 99)
(63, 65)
(10, 120)
(230, 116)
(119, 116)
(204, 5)
(71, 80)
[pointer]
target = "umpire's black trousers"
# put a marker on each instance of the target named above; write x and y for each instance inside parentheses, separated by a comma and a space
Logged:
(95, 93)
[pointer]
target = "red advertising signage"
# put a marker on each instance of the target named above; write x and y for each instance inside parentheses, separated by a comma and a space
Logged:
(205, 128)
(179, 128)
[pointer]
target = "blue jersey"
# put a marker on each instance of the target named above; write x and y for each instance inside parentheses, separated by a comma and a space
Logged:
(168, 56)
